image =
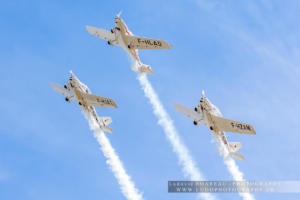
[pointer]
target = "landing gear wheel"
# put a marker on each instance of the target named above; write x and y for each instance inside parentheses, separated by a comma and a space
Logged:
(65, 87)
(129, 47)
(195, 123)
(211, 128)
(112, 30)
(108, 42)
(79, 103)
(67, 99)
(196, 109)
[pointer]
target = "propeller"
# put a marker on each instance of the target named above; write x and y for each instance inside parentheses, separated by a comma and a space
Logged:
(203, 94)
(118, 15)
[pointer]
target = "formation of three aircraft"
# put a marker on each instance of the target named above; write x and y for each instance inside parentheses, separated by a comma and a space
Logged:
(205, 112)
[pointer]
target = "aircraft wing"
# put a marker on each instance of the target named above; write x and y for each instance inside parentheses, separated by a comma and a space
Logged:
(228, 125)
(98, 101)
(147, 43)
(189, 112)
(103, 34)
(60, 89)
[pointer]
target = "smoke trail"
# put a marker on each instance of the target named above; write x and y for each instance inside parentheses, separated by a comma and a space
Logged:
(185, 159)
(233, 168)
(116, 166)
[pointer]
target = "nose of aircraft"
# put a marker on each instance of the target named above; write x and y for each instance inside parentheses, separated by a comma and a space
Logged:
(71, 75)
(202, 96)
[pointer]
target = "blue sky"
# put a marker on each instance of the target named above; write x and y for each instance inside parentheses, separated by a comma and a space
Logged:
(244, 55)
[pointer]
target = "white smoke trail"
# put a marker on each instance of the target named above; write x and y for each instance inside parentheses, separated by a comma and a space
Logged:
(116, 166)
(233, 169)
(185, 159)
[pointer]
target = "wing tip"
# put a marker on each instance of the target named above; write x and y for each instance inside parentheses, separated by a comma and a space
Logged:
(90, 29)
(177, 107)
(53, 85)
(87, 27)
(114, 104)
(175, 104)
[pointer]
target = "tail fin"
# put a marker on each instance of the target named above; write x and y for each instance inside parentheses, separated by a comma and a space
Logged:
(235, 146)
(237, 156)
(143, 69)
(107, 129)
(106, 120)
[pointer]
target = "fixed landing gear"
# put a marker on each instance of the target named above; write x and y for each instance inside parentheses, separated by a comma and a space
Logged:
(79, 103)
(211, 128)
(108, 42)
(196, 109)
(67, 99)
(65, 86)
(195, 123)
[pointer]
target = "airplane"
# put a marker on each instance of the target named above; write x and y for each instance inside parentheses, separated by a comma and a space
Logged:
(121, 36)
(79, 92)
(209, 115)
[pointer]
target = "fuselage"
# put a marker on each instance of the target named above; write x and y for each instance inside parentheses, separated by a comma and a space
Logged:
(121, 31)
(77, 88)
(207, 109)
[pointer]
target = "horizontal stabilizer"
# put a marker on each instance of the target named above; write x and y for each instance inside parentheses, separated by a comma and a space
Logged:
(107, 129)
(145, 69)
(237, 156)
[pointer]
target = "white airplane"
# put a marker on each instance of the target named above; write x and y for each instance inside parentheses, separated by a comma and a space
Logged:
(79, 92)
(121, 36)
(209, 115)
